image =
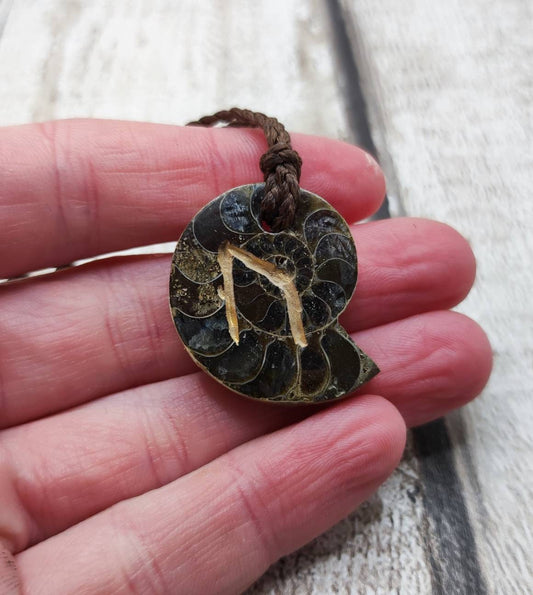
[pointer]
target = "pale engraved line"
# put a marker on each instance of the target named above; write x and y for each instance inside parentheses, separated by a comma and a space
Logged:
(284, 282)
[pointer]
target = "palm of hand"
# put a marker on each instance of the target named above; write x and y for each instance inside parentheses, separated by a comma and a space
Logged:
(125, 469)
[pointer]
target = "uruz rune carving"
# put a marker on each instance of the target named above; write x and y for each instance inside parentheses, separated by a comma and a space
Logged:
(259, 310)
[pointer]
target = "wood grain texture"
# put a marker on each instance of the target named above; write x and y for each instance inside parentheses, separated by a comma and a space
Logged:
(171, 62)
(448, 90)
(451, 88)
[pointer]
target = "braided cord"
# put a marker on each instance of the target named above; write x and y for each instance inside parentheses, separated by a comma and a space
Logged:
(281, 165)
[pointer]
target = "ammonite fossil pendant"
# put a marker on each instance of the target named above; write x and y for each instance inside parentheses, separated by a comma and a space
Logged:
(259, 310)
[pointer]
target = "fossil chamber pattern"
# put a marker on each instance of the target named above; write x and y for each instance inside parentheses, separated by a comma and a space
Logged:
(295, 281)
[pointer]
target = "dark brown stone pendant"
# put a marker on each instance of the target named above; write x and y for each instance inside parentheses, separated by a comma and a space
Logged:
(258, 310)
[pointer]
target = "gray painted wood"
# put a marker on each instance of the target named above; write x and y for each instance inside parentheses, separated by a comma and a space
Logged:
(450, 85)
(165, 61)
(447, 87)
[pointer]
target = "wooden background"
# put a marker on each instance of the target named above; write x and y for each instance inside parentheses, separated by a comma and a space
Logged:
(442, 92)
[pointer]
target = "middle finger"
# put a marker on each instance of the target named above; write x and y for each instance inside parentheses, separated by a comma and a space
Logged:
(105, 327)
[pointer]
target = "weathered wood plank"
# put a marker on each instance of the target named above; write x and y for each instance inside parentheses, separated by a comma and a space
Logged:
(450, 88)
(169, 62)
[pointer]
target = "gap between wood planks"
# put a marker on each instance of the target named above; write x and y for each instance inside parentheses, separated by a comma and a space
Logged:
(450, 544)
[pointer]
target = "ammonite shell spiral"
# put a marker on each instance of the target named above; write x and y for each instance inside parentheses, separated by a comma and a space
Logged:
(258, 310)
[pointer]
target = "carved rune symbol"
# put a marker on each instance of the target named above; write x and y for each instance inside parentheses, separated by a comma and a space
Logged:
(258, 311)
(283, 281)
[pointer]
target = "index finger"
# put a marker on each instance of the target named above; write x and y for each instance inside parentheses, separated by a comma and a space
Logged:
(77, 188)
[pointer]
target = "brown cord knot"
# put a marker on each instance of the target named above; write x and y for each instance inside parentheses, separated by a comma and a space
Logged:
(281, 164)
(281, 155)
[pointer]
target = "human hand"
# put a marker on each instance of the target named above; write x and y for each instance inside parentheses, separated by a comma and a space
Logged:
(123, 468)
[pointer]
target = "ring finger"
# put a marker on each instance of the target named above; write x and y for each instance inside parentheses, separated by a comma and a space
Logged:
(69, 466)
